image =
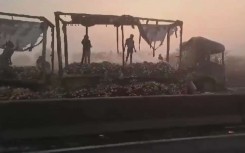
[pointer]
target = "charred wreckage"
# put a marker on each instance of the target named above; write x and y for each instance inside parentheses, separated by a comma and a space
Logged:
(112, 107)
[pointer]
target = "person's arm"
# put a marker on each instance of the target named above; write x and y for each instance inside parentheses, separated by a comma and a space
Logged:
(126, 43)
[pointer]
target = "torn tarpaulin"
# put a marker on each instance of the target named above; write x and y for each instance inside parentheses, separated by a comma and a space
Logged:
(154, 33)
(23, 34)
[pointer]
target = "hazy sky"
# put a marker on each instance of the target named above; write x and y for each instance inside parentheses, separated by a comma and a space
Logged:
(220, 20)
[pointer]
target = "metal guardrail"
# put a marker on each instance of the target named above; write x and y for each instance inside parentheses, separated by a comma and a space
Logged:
(68, 117)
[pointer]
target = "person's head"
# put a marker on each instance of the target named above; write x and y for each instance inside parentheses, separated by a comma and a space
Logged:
(131, 36)
(40, 58)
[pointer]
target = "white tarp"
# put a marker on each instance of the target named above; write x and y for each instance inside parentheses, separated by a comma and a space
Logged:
(23, 34)
(157, 32)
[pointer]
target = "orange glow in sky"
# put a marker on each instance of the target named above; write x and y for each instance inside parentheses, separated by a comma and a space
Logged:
(220, 20)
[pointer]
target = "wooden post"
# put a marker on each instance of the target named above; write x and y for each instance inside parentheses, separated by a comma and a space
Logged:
(139, 41)
(86, 30)
(44, 44)
(44, 47)
(168, 44)
(86, 58)
(117, 40)
(154, 49)
(65, 44)
(123, 48)
(59, 51)
(52, 47)
(180, 46)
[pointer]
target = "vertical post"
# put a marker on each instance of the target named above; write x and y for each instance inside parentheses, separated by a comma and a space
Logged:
(59, 52)
(168, 44)
(154, 49)
(87, 60)
(117, 40)
(52, 47)
(139, 41)
(180, 46)
(123, 48)
(44, 44)
(65, 43)
(86, 30)
(44, 47)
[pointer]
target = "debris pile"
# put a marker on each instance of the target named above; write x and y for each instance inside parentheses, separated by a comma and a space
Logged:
(136, 89)
(20, 73)
(115, 81)
(146, 69)
(26, 73)
(110, 90)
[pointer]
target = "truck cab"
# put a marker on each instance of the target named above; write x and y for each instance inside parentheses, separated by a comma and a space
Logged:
(204, 59)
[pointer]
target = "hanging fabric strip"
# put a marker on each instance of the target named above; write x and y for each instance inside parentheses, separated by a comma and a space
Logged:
(139, 41)
(33, 46)
(153, 33)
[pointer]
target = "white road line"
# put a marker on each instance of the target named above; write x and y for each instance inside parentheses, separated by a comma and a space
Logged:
(137, 143)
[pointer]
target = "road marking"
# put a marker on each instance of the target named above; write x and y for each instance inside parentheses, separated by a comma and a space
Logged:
(136, 143)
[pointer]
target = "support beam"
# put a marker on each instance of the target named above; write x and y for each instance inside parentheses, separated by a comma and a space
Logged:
(86, 30)
(117, 40)
(140, 18)
(59, 51)
(65, 44)
(44, 47)
(52, 47)
(123, 47)
(180, 46)
(168, 45)
(154, 48)
(139, 41)
(28, 16)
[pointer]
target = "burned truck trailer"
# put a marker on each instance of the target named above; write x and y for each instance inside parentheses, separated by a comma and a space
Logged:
(204, 60)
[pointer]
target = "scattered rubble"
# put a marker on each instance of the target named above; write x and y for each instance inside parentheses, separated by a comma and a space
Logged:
(109, 87)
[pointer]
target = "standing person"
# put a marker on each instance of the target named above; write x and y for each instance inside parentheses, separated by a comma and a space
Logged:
(44, 68)
(86, 50)
(130, 47)
(5, 57)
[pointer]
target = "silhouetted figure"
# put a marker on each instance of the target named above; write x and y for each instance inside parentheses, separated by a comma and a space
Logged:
(5, 57)
(130, 47)
(44, 68)
(86, 50)
(160, 58)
